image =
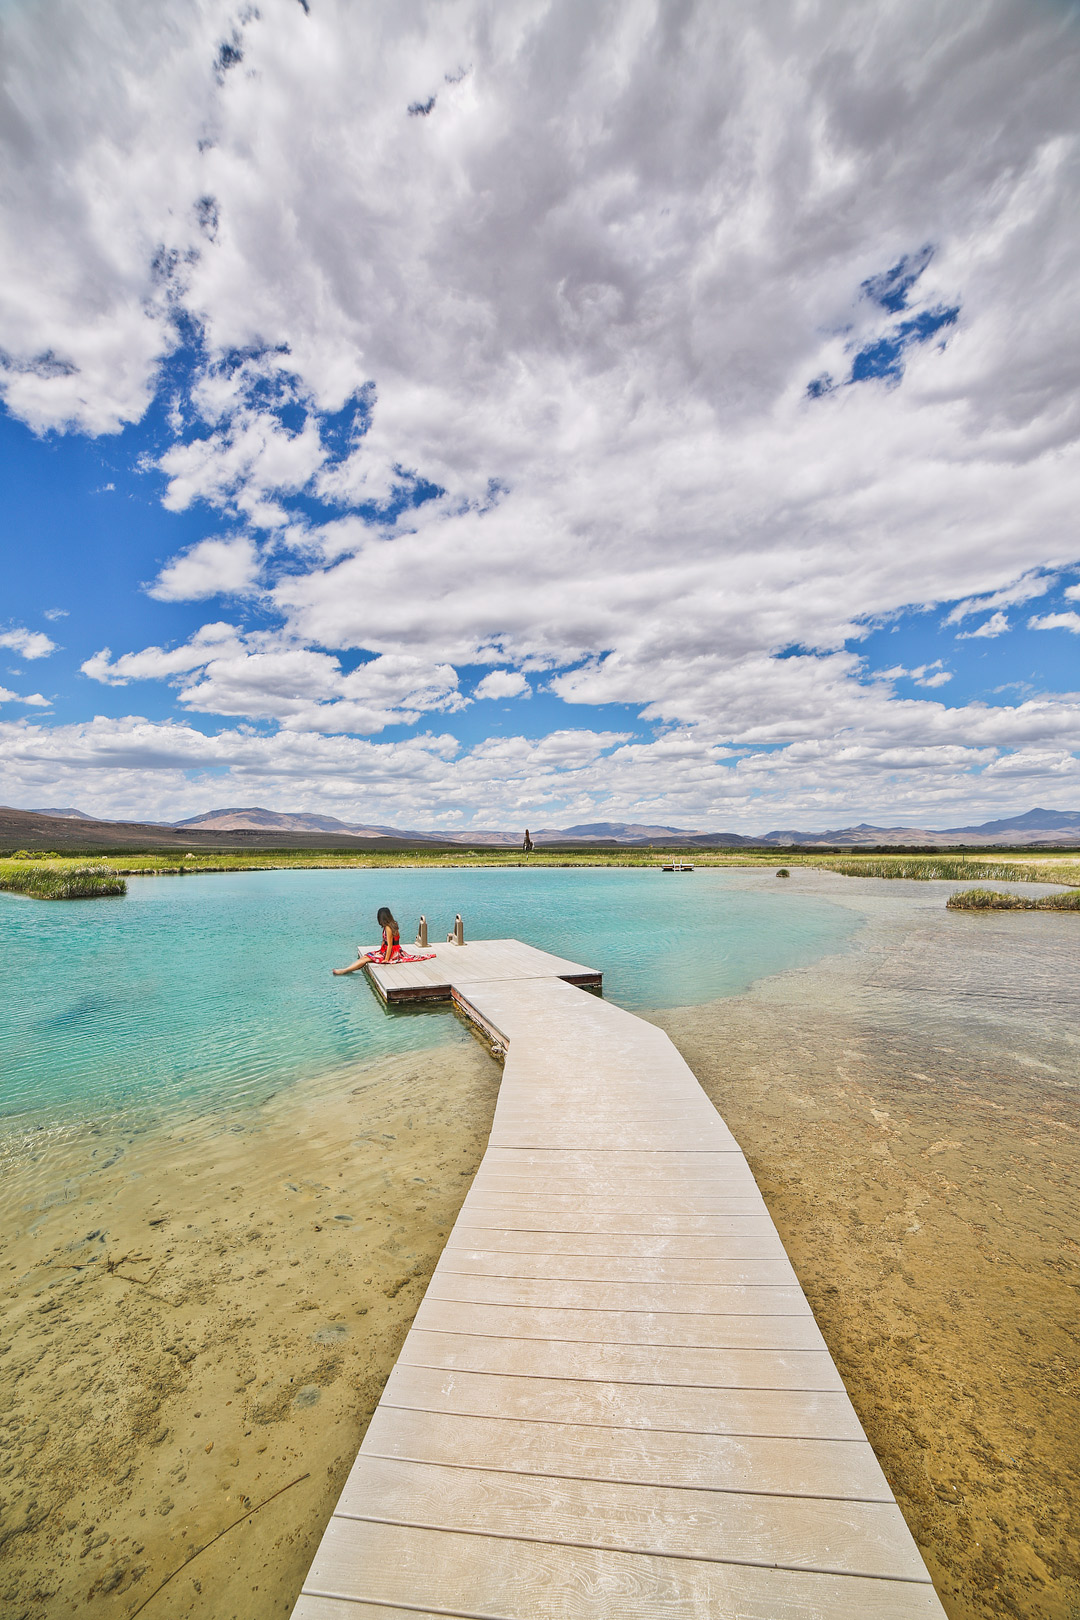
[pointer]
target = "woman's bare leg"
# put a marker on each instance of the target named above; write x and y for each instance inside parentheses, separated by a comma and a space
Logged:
(360, 962)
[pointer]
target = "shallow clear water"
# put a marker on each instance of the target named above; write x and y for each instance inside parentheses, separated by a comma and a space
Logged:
(215, 988)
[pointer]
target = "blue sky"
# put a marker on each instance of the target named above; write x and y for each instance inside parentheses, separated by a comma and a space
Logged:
(533, 459)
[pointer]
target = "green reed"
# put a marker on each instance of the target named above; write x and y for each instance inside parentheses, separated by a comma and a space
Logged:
(1001, 900)
(61, 882)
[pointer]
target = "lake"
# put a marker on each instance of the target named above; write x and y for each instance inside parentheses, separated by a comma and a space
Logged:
(217, 988)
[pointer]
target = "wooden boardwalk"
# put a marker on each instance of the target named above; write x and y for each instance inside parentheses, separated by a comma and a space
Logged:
(614, 1400)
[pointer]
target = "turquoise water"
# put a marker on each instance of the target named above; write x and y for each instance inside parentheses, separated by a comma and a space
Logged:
(217, 988)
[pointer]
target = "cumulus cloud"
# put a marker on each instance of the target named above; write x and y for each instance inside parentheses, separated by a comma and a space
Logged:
(209, 568)
(265, 676)
(995, 625)
(503, 683)
(155, 663)
(533, 377)
(28, 644)
(140, 767)
(35, 700)
(1056, 621)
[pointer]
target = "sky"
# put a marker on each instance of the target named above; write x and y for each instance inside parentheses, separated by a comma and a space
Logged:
(470, 415)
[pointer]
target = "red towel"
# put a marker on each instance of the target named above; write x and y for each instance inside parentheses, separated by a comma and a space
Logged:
(400, 956)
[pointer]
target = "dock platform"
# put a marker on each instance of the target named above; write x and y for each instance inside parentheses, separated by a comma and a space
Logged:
(453, 967)
(614, 1400)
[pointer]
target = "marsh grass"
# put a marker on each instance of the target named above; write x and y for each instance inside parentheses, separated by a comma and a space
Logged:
(61, 882)
(1063, 867)
(1001, 900)
(924, 868)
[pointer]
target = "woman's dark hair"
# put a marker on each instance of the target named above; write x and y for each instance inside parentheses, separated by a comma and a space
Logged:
(386, 919)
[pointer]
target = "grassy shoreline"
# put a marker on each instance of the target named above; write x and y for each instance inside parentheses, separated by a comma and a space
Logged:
(1061, 868)
(997, 900)
(61, 880)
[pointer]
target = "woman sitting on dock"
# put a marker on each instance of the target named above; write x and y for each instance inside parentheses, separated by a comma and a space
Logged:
(389, 951)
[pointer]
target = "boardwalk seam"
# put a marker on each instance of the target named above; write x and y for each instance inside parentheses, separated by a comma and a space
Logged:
(630, 1428)
(633, 1552)
(615, 1479)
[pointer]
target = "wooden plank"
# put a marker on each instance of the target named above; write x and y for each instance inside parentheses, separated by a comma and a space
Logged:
(605, 1206)
(611, 1268)
(329, 1608)
(631, 1363)
(590, 1162)
(836, 1469)
(778, 1413)
(685, 1299)
(698, 1193)
(711, 1170)
(854, 1538)
(642, 1224)
(765, 1245)
(713, 1332)
(473, 1575)
(556, 1181)
(618, 1132)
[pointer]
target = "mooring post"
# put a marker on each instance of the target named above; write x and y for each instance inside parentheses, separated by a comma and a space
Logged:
(421, 932)
(458, 935)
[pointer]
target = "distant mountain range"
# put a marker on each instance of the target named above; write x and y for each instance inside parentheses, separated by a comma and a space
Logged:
(276, 828)
(255, 820)
(1057, 826)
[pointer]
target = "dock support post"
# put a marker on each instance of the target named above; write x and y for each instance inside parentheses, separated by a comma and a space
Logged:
(421, 933)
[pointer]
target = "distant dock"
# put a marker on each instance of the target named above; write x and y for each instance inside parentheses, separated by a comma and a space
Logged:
(614, 1400)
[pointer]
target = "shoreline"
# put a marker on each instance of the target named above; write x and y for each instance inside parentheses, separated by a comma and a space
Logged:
(1025, 866)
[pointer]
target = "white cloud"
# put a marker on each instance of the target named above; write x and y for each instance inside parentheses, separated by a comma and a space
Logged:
(265, 676)
(1073, 593)
(587, 310)
(28, 644)
(1021, 590)
(35, 700)
(995, 625)
(138, 767)
(210, 568)
(240, 467)
(503, 683)
(1056, 621)
(56, 613)
(155, 663)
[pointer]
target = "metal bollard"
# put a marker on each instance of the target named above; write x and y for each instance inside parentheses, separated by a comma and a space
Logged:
(421, 932)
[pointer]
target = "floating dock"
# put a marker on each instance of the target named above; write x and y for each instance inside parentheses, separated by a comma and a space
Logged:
(614, 1400)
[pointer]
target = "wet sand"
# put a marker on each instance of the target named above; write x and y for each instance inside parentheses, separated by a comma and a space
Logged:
(196, 1316)
(910, 1110)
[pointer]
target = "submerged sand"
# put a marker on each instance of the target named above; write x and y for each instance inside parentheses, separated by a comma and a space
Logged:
(201, 1313)
(910, 1110)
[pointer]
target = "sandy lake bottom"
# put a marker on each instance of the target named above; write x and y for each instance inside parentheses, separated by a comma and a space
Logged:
(201, 1313)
